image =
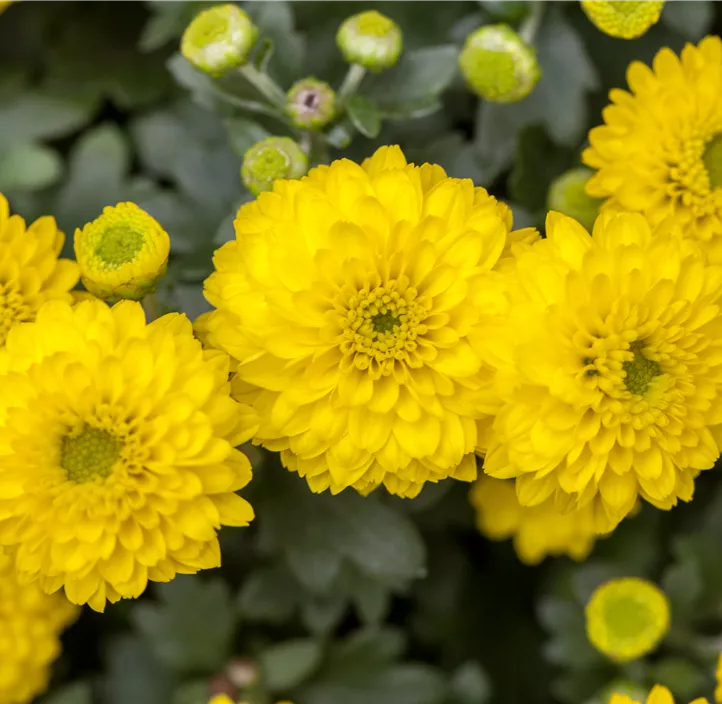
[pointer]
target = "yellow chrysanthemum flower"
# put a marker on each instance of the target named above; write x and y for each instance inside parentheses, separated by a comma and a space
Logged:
(117, 459)
(122, 253)
(30, 626)
(660, 151)
(538, 531)
(658, 695)
(624, 19)
(354, 302)
(610, 368)
(718, 677)
(626, 618)
(30, 271)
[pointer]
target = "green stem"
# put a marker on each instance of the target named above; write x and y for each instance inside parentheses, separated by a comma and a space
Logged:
(265, 85)
(531, 24)
(352, 81)
(151, 306)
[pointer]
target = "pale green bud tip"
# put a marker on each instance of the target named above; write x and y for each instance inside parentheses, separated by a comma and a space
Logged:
(498, 65)
(271, 159)
(219, 39)
(311, 104)
(567, 195)
(371, 40)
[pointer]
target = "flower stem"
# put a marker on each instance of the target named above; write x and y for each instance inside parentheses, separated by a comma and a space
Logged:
(151, 306)
(352, 80)
(531, 24)
(264, 84)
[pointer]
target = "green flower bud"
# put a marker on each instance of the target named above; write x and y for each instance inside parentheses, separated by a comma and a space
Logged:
(567, 195)
(271, 159)
(371, 40)
(311, 104)
(219, 39)
(498, 65)
(624, 19)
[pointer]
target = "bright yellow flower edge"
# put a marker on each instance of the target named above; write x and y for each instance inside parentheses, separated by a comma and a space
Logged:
(30, 271)
(609, 368)
(658, 695)
(659, 152)
(718, 677)
(354, 302)
(537, 531)
(117, 451)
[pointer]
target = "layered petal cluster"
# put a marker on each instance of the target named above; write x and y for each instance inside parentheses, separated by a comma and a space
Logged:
(117, 451)
(354, 301)
(30, 626)
(658, 695)
(30, 271)
(537, 531)
(659, 152)
(610, 368)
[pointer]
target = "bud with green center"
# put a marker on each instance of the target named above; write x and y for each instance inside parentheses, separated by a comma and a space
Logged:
(371, 40)
(624, 19)
(498, 65)
(567, 195)
(311, 104)
(271, 159)
(122, 254)
(219, 39)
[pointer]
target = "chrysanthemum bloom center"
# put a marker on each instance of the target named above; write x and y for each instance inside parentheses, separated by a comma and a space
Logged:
(210, 29)
(713, 161)
(640, 371)
(91, 454)
(119, 245)
(374, 24)
(626, 616)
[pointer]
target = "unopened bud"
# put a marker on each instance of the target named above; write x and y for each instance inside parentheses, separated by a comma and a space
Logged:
(567, 195)
(219, 39)
(370, 39)
(270, 159)
(498, 65)
(311, 104)
(122, 254)
(628, 19)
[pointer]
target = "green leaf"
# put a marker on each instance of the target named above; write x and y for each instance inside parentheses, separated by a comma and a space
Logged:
(191, 693)
(470, 684)
(289, 664)
(76, 693)
(167, 23)
(681, 676)
(691, 19)
(364, 115)
(244, 133)
(191, 628)
(412, 110)
(29, 167)
(340, 135)
(321, 614)
(269, 594)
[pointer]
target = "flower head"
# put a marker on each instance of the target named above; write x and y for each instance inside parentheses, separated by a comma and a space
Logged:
(370, 39)
(610, 368)
(219, 39)
(498, 65)
(660, 151)
(658, 695)
(538, 531)
(32, 622)
(311, 103)
(718, 677)
(117, 459)
(353, 301)
(624, 19)
(626, 618)
(123, 253)
(271, 159)
(30, 271)
(567, 195)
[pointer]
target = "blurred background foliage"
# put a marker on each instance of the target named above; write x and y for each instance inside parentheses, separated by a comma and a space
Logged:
(341, 600)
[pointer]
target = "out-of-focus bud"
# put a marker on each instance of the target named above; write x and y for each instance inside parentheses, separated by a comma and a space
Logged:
(271, 159)
(567, 195)
(628, 19)
(498, 65)
(311, 104)
(122, 254)
(371, 40)
(219, 39)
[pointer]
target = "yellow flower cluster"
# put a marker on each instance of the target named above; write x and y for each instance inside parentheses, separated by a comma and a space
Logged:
(658, 695)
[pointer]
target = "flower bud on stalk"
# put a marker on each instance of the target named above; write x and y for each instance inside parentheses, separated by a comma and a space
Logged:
(567, 195)
(122, 254)
(219, 39)
(311, 104)
(627, 19)
(498, 65)
(271, 159)
(371, 40)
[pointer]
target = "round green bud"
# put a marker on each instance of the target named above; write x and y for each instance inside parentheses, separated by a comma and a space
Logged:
(567, 195)
(371, 40)
(270, 159)
(219, 39)
(498, 65)
(311, 104)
